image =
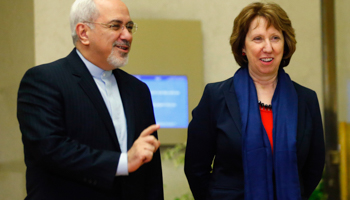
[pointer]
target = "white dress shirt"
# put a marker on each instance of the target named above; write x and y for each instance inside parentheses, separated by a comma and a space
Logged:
(106, 82)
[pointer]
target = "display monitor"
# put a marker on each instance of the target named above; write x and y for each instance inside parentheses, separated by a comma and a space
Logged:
(170, 99)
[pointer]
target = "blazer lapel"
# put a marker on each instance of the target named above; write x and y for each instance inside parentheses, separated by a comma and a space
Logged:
(128, 104)
(90, 88)
(302, 114)
(233, 106)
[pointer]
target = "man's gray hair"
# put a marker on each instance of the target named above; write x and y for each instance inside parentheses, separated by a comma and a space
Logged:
(82, 11)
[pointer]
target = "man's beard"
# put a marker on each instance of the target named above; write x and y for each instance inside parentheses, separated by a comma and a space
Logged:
(114, 60)
(118, 62)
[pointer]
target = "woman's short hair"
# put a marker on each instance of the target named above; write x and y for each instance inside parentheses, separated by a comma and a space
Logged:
(274, 16)
(82, 11)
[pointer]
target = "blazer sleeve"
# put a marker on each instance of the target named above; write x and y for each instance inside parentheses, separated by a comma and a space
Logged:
(315, 161)
(40, 112)
(200, 147)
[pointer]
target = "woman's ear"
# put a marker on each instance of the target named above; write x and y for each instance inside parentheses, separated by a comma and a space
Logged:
(243, 52)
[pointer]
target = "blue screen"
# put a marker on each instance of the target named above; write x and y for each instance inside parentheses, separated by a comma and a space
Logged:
(170, 99)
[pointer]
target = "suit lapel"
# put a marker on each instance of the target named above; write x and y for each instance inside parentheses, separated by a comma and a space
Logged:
(125, 89)
(233, 106)
(90, 88)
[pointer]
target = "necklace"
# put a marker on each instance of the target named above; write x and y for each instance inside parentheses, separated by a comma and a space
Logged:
(266, 106)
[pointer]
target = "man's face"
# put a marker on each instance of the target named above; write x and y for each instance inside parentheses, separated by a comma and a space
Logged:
(110, 45)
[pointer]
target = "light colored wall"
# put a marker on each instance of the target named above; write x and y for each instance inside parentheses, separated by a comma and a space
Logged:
(217, 21)
(158, 49)
(342, 25)
(52, 27)
(16, 55)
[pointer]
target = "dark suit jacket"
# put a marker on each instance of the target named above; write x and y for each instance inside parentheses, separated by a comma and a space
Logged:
(70, 145)
(215, 131)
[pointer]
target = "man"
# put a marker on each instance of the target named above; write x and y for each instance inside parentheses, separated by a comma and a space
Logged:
(88, 127)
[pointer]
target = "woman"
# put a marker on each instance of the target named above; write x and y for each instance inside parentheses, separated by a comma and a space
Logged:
(257, 135)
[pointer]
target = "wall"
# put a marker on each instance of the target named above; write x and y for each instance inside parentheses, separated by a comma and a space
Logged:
(217, 21)
(158, 49)
(52, 32)
(16, 55)
(342, 26)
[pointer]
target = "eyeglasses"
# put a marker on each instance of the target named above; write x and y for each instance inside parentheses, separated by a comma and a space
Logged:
(115, 26)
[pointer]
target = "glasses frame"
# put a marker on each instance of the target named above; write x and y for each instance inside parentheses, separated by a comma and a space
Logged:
(109, 26)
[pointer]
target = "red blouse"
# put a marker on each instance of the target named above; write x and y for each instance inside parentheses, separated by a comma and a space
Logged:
(267, 120)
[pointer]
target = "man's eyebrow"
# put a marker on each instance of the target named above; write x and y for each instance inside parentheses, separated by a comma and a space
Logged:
(115, 21)
(119, 21)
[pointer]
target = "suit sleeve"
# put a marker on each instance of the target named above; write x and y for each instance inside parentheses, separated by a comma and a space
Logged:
(155, 179)
(47, 146)
(200, 147)
(316, 158)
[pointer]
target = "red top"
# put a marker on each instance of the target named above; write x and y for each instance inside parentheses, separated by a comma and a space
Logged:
(267, 120)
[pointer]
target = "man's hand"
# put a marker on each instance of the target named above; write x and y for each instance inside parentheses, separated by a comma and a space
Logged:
(143, 148)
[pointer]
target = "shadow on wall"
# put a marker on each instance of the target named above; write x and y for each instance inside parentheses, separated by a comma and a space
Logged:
(175, 182)
(12, 180)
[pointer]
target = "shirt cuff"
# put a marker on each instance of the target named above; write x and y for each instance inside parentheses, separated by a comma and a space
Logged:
(122, 169)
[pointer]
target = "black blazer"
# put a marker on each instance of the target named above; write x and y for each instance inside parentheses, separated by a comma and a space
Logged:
(70, 146)
(215, 133)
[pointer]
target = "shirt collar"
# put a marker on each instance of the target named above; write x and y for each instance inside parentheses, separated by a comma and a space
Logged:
(95, 71)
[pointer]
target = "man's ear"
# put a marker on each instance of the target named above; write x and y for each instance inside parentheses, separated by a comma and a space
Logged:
(82, 32)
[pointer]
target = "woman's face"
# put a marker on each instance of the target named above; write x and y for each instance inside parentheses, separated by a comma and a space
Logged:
(263, 48)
